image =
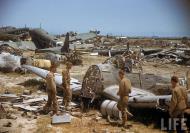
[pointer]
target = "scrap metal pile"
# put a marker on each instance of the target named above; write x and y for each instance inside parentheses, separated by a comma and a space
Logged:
(117, 61)
(39, 39)
(127, 61)
(74, 57)
(179, 56)
(11, 50)
(30, 106)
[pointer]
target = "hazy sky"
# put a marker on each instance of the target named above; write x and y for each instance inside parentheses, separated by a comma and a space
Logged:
(126, 17)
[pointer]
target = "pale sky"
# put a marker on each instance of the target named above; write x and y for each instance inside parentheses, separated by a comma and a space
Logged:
(117, 17)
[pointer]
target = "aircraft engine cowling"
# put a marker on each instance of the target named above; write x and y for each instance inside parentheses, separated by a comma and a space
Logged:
(109, 107)
(97, 78)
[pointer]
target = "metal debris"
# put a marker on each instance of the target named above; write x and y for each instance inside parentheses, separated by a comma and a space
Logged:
(107, 52)
(9, 62)
(65, 118)
(26, 107)
(8, 49)
(74, 57)
(36, 100)
(76, 114)
(178, 56)
(7, 97)
(41, 63)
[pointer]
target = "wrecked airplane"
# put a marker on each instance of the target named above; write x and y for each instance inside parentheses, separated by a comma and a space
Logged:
(70, 43)
(57, 49)
(71, 56)
(44, 40)
(101, 83)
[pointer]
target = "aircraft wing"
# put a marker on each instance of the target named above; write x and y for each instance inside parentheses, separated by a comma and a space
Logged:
(140, 98)
(75, 85)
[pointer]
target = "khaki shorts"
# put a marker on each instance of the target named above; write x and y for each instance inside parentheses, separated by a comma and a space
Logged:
(122, 103)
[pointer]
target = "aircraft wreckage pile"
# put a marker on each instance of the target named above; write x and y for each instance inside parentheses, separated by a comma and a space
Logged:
(33, 50)
(177, 55)
(69, 47)
(36, 40)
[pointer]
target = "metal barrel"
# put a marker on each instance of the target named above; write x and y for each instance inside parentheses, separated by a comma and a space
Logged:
(109, 107)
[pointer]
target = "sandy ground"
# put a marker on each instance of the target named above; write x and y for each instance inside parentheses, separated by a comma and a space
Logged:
(165, 69)
(86, 124)
(89, 124)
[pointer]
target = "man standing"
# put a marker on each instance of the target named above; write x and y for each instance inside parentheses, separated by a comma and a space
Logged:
(67, 92)
(124, 90)
(179, 101)
(51, 90)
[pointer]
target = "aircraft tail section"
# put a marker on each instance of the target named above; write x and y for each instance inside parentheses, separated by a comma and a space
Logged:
(65, 48)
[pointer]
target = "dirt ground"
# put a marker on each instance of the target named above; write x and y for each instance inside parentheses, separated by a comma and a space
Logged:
(11, 82)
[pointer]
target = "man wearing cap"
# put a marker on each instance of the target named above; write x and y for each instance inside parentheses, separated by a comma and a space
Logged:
(179, 101)
(123, 93)
(67, 92)
(51, 90)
